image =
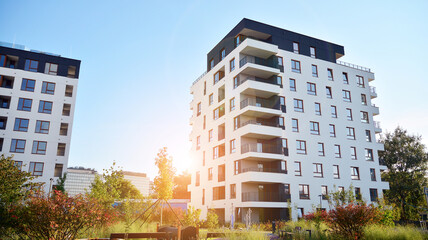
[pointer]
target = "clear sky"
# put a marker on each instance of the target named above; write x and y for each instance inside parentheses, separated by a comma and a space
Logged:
(139, 59)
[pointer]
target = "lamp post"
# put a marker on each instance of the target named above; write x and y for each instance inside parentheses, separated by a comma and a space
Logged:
(50, 186)
(320, 201)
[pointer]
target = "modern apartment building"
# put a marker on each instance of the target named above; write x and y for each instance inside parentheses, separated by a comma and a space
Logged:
(37, 100)
(278, 122)
(139, 180)
(79, 180)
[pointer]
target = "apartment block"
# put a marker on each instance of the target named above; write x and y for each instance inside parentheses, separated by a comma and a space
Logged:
(277, 123)
(37, 101)
(79, 180)
(139, 180)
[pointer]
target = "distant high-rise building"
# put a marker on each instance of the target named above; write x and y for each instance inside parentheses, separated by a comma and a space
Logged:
(139, 180)
(79, 180)
(278, 122)
(37, 101)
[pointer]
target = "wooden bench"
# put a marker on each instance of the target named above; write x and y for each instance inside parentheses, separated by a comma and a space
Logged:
(157, 235)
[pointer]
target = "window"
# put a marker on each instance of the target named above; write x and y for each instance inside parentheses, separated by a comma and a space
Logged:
(333, 111)
(298, 105)
(205, 122)
(346, 95)
(330, 74)
(236, 123)
(28, 85)
(336, 174)
(210, 174)
(337, 152)
(31, 65)
(332, 130)
(295, 66)
(350, 133)
(61, 149)
(301, 146)
(215, 152)
(210, 135)
(318, 170)
(17, 146)
(313, 52)
(218, 76)
(314, 71)
(314, 128)
(284, 143)
(237, 167)
(373, 174)
(358, 193)
(303, 191)
(222, 54)
(280, 61)
(295, 125)
(369, 154)
(203, 196)
(218, 193)
(69, 90)
(298, 168)
(364, 117)
(197, 179)
(216, 113)
(39, 147)
(198, 142)
(3, 122)
(353, 153)
(360, 81)
(205, 88)
(321, 151)
(48, 88)
(312, 89)
(235, 82)
(232, 146)
(296, 47)
(63, 129)
(21, 125)
(363, 99)
(284, 166)
(5, 102)
(199, 109)
(36, 168)
(292, 85)
(341, 189)
(279, 80)
(58, 170)
(232, 191)
(324, 192)
(232, 64)
(345, 78)
(45, 107)
(368, 136)
(328, 92)
(349, 114)
(210, 99)
(18, 164)
(211, 63)
(51, 68)
(24, 104)
(355, 173)
(232, 104)
(281, 122)
(373, 195)
(318, 109)
(66, 109)
(71, 72)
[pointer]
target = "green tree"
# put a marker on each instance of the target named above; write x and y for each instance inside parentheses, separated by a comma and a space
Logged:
(13, 189)
(181, 182)
(60, 184)
(407, 161)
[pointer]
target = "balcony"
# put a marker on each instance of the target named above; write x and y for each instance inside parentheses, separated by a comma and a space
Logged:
(265, 197)
(261, 148)
(258, 48)
(377, 127)
(375, 110)
(353, 66)
(265, 170)
(260, 67)
(373, 93)
(260, 129)
(260, 107)
(261, 87)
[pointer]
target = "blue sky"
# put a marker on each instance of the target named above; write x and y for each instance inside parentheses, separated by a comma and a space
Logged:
(139, 59)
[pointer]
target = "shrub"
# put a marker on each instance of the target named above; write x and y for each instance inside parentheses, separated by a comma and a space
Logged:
(212, 220)
(191, 218)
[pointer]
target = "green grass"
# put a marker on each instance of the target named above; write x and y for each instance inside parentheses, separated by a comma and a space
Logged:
(396, 233)
(119, 227)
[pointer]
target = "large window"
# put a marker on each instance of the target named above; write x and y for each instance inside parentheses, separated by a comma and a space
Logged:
(295, 66)
(24, 104)
(369, 154)
(360, 81)
(318, 108)
(312, 88)
(346, 95)
(48, 88)
(301, 146)
(330, 74)
(296, 47)
(232, 191)
(45, 107)
(318, 170)
(364, 117)
(345, 78)
(314, 128)
(232, 145)
(51, 68)
(21, 125)
(17, 146)
(332, 130)
(350, 133)
(28, 85)
(333, 111)
(39, 147)
(355, 173)
(336, 173)
(373, 174)
(353, 153)
(36, 168)
(313, 52)
(349, 114)
(298, 105)
(328, 92)
(295, 125)
(314, 71)
(337, 152)
(368, 136)
(321, 151)
(292, 85)
(373, 195)
(61, 149)
(298, 168)
(303, 191)
(31, 65)
(69, 91)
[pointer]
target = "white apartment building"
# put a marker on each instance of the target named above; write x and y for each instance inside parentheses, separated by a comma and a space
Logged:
(37, 100)
(79, 180)
(278, 122)
(139, 180)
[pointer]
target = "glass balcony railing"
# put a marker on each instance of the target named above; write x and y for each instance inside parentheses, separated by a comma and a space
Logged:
(269, 62)
(259, 102)
(272, 80)
(267, 170)
(261, 148)
(265, 197)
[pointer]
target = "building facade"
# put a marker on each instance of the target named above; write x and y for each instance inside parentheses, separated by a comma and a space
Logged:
(278, 122)
(37, 100)
(139, 180)
(79, 180)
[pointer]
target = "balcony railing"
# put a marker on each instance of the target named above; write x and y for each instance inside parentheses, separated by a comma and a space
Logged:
(376, 124)
(260, 122)
(261, 148)
(268, 170)
(353, 66)
(258, 103)
(265, 197)
(259, 61)
(199, 78)
(272, 80)
(373, 90)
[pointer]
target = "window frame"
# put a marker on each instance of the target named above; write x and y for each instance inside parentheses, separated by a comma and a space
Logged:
(232, 65)
(44, 109)
(311, 88)
(345, 78)
(298, 105)
(318, 111)
(333, 110)
(355, 173)
(38, 147)
(314, 128)
(353, 153)
(14, 147)
(292, 86)
(32, 168)
(48, 68)
(45, 88)
(318, 170)
(301, 147)
(232, 104)
(296, 47)
(330, 76)
(360, 81)
(336, 171)
(322, 152)
(337, 151)
(314, 74)
(313, 54)
(233, 146)
(346, 96)
(304, 192)
(28, 65)
(332, 127)
(24, 103)
(19, 127)
(349, 114)
(328, 92)
(298, 170)
(350, 133)
(295, 124)
(25, 87)
(296, 66)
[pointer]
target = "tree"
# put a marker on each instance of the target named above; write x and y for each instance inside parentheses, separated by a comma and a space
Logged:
(60, 186)
(406, 160)
(181, 182)
(13, 189)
